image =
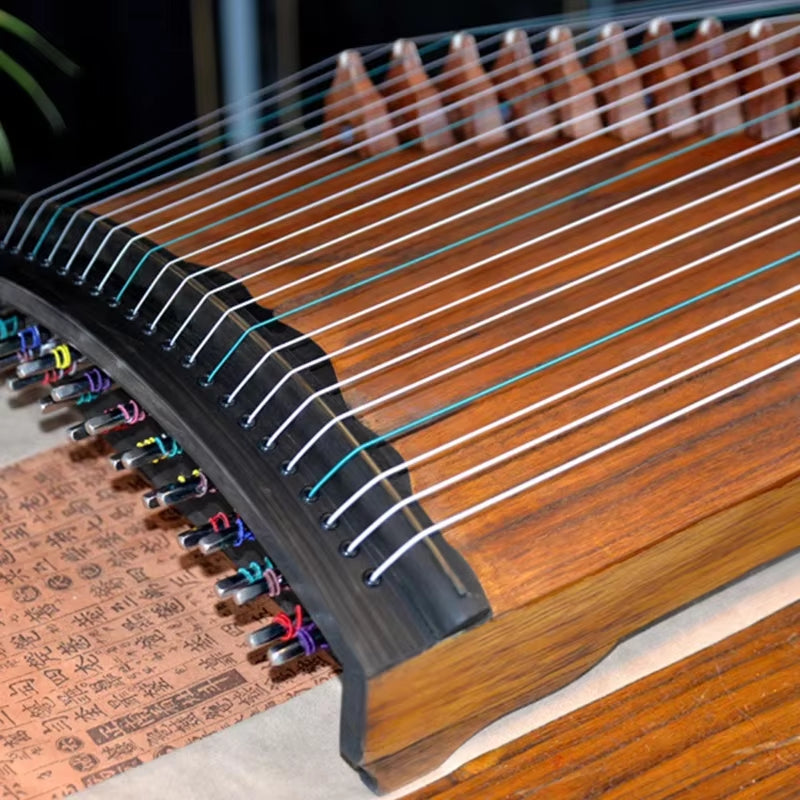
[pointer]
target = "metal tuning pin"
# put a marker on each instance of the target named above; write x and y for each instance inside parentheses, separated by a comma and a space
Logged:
(115, 459)
(250, 592)
(188, 540)
(219, 539)
(266, 635)
(178, 492)
(151, 451)
(306, 642)
(47, 405)
(93, 382)
(123, 415)
(62, 356)
(77, 433)
(260, 581)
(227, 586)
(17, 384)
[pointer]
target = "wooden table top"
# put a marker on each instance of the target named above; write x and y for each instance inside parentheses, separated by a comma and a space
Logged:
(722, 723)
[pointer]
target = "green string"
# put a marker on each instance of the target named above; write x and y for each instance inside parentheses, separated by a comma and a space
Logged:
(486, 231)
(362, 163)
(545, 365)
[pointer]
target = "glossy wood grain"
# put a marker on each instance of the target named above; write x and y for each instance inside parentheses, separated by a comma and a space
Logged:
(719, 724)
(579, 562)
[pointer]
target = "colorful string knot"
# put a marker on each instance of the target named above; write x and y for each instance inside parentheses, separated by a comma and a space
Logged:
(28, 347)
(306, 638)
(242, 534)
(219, 521)
(290, 627)
(9, 327)
(131, 413)
(63, 356)
(173, 450)
(98, 381)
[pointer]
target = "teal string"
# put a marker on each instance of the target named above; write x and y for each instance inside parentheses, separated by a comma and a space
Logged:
(547, 364)
(486, 231)
(174, 450)
(376, 71)
(255, 572)
(346, 170)
(9, 327)
(86, 397)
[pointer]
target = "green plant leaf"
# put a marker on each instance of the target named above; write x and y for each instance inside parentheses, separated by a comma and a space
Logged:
(36, 40)
(34, 90)
(6, 161)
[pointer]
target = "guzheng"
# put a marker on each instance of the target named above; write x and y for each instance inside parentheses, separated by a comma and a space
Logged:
(481, 355)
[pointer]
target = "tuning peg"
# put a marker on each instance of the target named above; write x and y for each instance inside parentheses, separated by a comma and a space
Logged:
(125, 414)
(173, 493)
(270, 583)
(115, 459)
(219, 523)
(250, 592)
(266, 635)
(92, 382)
(62, 356)
(150, 451)
(307, 641)
(77, 433)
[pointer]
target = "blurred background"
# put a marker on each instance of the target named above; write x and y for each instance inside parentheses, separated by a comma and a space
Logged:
(147, 66)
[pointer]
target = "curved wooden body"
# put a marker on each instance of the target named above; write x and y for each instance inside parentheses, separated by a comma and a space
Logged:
(571, 566)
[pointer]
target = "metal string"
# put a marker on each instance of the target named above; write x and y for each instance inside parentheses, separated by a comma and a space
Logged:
(507, 223)
(146, 156)
(429, 179)
(563, 429)
(495, 152)
(95, 193)
(292, 464)
(188, 126)
(674, 12)
(332, 519)
(537, 269)
(335, 156)
(637, 433)
(202, 175)
(458, 273)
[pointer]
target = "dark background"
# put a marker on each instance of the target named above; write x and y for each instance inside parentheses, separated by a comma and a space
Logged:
(136, 63)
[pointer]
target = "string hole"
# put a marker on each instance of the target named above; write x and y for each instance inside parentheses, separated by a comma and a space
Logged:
(187, 361)
(132, 314)
(95, 291)
(29, 257)
(225, 401)
(79, 280)
(47, 262)
(344, 550)
(287, 468)
(62, 271)
(113, 303)
(265, 445)
(204, 381)
(167, 346)
(367, 578)
(325, 521)
(308, 495)
(246, 422)
(14, 251)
